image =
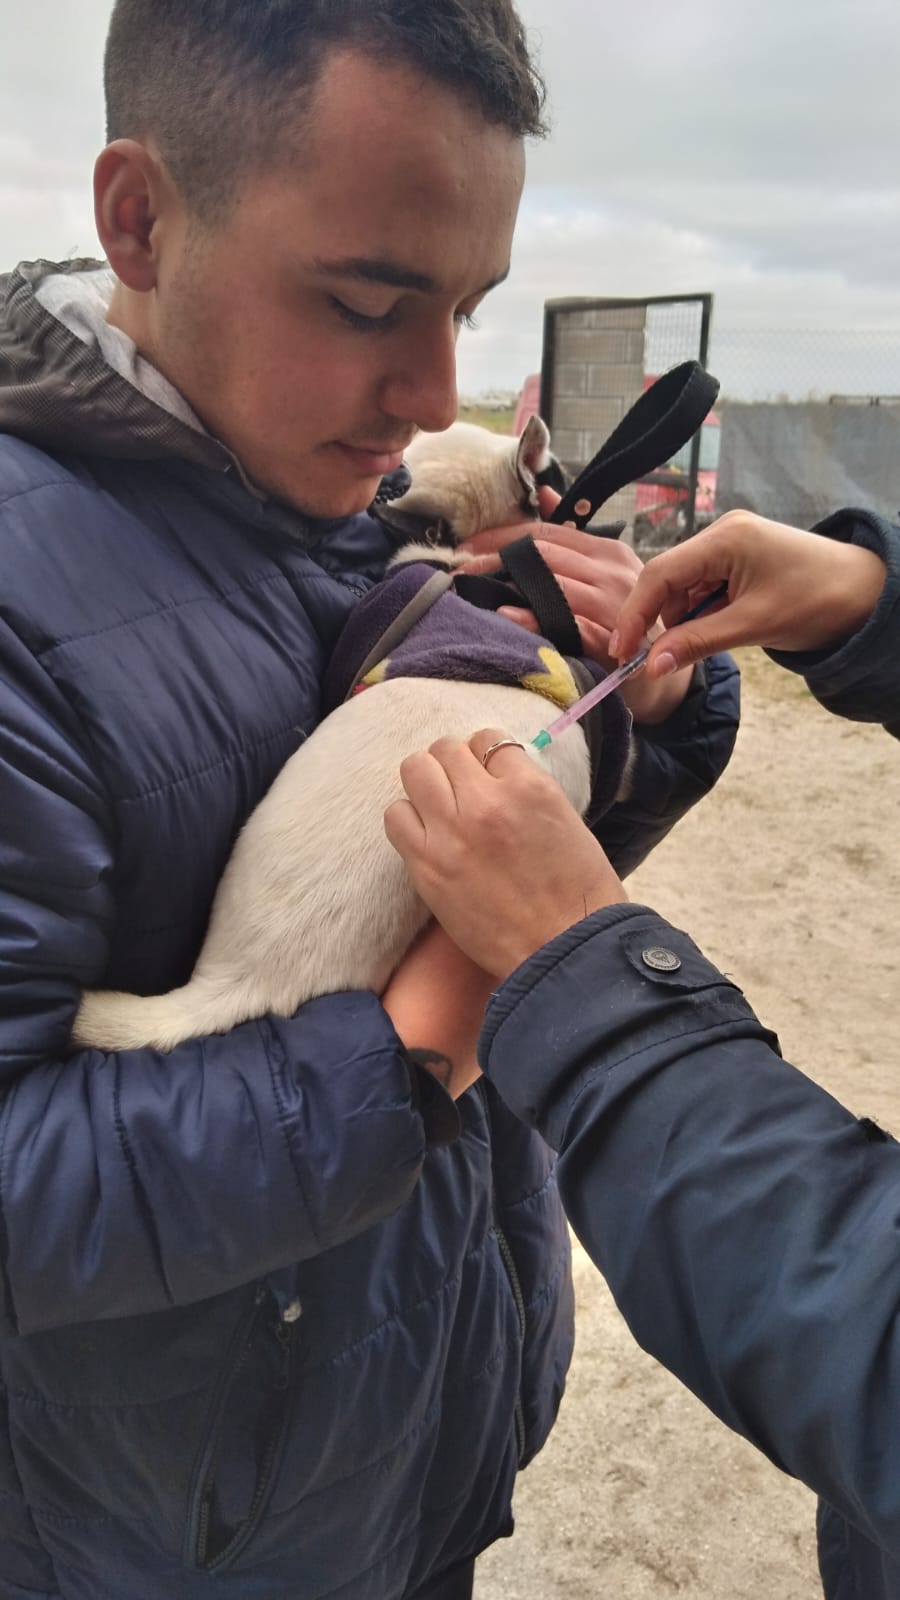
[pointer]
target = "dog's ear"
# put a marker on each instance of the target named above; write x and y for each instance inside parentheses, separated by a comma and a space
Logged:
(536, 465)
(533, 453)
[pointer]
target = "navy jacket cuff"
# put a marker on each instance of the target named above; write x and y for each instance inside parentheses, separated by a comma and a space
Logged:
(835, 675)
(606, 990)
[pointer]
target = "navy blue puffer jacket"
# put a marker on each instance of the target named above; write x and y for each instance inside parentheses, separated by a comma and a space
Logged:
(253, 1325)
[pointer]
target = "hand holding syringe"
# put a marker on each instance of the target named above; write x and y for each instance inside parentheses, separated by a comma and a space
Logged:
(791, 590)
(615, 679)
(787, 590)
(780, 588)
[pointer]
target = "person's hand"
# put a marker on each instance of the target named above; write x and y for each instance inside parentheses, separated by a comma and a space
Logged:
(787, 590)
(596, 577)
(499, 855)
(436, 1000)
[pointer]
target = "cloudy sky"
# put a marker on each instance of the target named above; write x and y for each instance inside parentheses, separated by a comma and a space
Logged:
(744, 147)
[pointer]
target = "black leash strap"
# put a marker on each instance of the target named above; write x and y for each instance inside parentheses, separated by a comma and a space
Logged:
(543, 595)
(665, 417)
(536, 589)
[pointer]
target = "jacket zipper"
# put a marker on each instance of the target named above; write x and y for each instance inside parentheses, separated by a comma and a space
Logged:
(512, 1274)
(283, 1331)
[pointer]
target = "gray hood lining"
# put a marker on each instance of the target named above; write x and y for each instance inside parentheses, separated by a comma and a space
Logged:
(59, 390)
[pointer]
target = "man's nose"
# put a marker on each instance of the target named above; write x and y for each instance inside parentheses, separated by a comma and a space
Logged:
(424, 391)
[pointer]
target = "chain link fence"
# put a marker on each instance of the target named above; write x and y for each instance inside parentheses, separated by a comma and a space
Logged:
(798, 365)
(810, 421)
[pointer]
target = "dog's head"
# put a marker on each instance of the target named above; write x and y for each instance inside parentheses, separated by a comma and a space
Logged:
(469, 478)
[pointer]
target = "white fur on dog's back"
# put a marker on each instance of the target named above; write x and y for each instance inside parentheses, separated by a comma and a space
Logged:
(314, 900)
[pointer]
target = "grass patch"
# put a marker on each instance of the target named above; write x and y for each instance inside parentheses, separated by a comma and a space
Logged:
(497, 421)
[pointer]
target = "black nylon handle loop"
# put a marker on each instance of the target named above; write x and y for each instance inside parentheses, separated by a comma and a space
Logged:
(543, 595)
(665, 417)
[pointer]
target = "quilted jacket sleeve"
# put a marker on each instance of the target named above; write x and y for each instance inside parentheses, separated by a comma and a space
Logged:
(677, 762)
(747, 1224)
(861, 680)
(133, 1182)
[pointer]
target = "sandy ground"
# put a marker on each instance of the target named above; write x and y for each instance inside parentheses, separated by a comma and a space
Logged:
(789, 878)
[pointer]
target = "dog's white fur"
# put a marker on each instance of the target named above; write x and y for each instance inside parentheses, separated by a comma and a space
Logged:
(501, 491)
(314, 900)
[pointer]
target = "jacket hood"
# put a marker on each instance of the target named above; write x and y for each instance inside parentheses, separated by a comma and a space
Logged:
(88, 391)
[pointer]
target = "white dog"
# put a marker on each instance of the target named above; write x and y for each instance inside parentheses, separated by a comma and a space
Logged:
(314, 900)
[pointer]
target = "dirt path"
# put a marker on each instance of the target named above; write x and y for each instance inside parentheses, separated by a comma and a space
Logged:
(788, 878)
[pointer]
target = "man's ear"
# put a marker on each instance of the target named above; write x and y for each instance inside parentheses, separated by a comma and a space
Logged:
(131, 189)
(533, 456)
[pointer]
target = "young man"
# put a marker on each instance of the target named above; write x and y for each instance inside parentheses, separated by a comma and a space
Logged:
(746, 1222)
(265, 1318)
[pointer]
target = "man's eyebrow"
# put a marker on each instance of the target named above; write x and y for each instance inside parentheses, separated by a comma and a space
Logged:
(391, 273)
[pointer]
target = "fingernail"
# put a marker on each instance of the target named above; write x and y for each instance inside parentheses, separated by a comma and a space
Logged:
(664, 664)
(614, 643)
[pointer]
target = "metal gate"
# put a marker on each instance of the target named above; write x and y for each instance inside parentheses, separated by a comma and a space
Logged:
(598, 358)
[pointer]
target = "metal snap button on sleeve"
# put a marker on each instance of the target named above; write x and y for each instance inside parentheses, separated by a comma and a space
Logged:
(661, 960)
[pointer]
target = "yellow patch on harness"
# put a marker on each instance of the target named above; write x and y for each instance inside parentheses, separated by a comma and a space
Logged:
(556, 683)
(377, 674)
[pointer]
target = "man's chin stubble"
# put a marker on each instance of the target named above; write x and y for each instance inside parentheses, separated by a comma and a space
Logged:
(349, 502)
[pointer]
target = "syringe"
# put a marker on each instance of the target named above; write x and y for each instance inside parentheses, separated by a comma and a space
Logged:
(616, 679)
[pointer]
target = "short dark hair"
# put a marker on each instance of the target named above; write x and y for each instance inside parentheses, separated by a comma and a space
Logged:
(218, 83)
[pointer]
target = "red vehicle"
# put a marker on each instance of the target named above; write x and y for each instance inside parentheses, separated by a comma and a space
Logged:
(661, 498)
(528, 403)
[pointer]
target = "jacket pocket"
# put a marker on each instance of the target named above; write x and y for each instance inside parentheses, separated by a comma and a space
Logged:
(243, 1443)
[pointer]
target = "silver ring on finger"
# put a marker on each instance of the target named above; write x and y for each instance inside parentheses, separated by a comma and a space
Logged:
(501, 744)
